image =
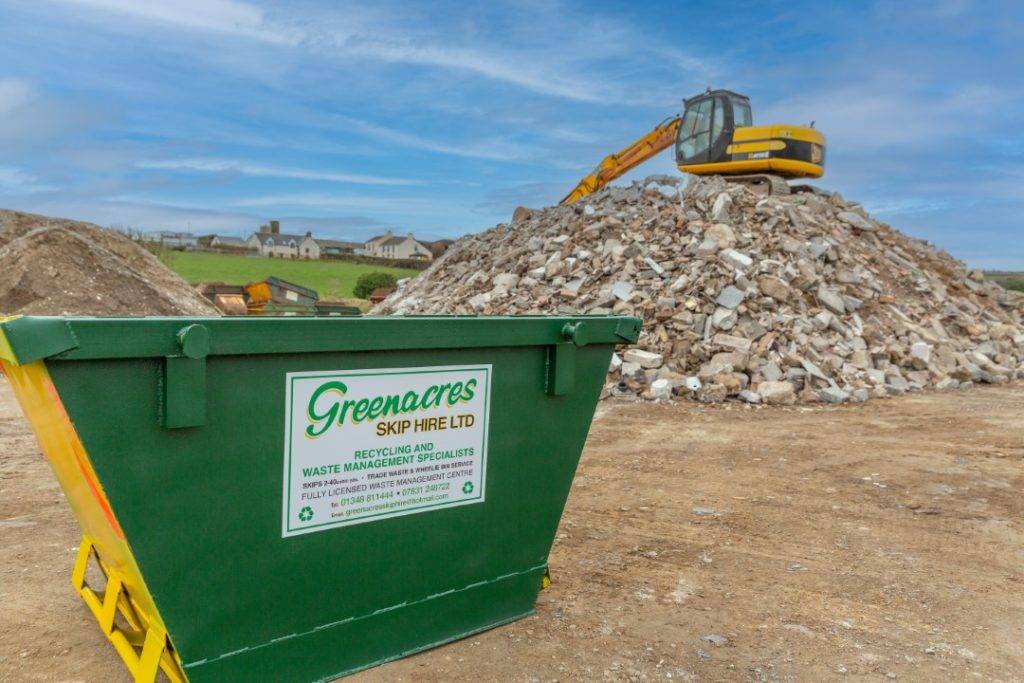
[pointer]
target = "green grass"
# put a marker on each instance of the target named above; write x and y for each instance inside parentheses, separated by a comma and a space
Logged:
(332, 280)
(1007, 279)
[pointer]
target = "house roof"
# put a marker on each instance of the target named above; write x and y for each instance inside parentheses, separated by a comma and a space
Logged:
(394, 241)
(438, 247)
(278, 237)
(229, 239)
(338, 243)
(171, 234)
(379, 237)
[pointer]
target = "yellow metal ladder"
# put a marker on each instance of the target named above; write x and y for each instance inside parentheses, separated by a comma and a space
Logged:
(143, 646)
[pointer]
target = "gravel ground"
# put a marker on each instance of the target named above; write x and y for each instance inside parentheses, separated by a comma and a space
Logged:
(875, 541)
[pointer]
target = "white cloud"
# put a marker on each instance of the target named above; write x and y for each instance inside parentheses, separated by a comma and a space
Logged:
(948, 9)
(341, 202)
(142, 215)
(27, 116)
(504, 68)
(901, 207)
(15, 93)
(210, 165)
(557, 62)
(14, 181)
(987, 183)
(219, 16)
(565, 66)
(885, 111)
(495, 148)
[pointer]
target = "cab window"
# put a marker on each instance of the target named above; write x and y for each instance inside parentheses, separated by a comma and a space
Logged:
(718, 120)
(697, 135)
(689, 123)
(741, 113)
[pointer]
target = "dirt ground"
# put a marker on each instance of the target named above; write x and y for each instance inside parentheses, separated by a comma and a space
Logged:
(876, 541)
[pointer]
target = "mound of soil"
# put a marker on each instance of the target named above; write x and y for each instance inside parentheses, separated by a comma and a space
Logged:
(54, 266)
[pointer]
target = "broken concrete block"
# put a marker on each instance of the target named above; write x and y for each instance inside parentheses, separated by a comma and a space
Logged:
(623, 290)
(720, 210)
(731, 342)
(737, 260)
(771, 371)
(749, 396)
(712, 393)
(856, 220)
(922, 352)
(777, 393)
(629, 368)
(644, 359)
(834, 395)
(506, 280)
(722, 235)
(730, 297)
(654, 265)
(615, 363)
(773, 287)
(724, 318)
(660, 388)
(831, 299)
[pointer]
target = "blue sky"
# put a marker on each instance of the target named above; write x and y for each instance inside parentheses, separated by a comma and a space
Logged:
(440, 118)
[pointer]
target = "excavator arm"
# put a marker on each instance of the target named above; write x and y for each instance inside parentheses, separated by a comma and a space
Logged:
(626, 159)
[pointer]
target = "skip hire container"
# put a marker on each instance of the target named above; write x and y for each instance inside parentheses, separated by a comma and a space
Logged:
(300, 498)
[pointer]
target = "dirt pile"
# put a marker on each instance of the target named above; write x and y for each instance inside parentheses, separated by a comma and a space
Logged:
(52, 266)
(798, 297)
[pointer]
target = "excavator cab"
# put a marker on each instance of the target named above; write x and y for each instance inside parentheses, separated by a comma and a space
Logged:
(717, 135)
(707, 125)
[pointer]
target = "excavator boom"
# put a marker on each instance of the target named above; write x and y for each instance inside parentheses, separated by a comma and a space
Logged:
(626, 159)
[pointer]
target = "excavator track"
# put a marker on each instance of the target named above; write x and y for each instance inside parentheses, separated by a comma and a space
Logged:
(762, 183)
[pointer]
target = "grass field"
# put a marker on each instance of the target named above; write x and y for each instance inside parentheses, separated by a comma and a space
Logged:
(332, 280)
(1007, 279)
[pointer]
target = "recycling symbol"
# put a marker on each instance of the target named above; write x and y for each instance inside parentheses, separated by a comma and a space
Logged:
(467, 488)
(306, 514)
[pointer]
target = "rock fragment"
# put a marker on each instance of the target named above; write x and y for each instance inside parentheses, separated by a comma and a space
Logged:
(661, 388)
(834, 395)
(856, 220)
(773, 287)
(730, 297)
(644, 359)
(777, 393)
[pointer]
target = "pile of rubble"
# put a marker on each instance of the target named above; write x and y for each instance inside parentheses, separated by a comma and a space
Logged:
(52, 266)
(777, 299)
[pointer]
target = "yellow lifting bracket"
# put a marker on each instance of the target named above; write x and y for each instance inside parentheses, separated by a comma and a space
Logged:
(143, 646)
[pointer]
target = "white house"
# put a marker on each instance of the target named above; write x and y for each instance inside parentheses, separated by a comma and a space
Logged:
(270, 241)
(229, 241)
(390, 246)
(173, 240)
(336, 247)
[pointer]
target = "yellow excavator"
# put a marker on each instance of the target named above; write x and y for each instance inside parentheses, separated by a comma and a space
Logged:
(716, 135)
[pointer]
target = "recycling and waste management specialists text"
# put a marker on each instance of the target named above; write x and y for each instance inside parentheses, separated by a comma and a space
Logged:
(365, 445)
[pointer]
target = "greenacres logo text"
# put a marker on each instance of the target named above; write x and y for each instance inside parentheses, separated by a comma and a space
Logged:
(334, 409)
